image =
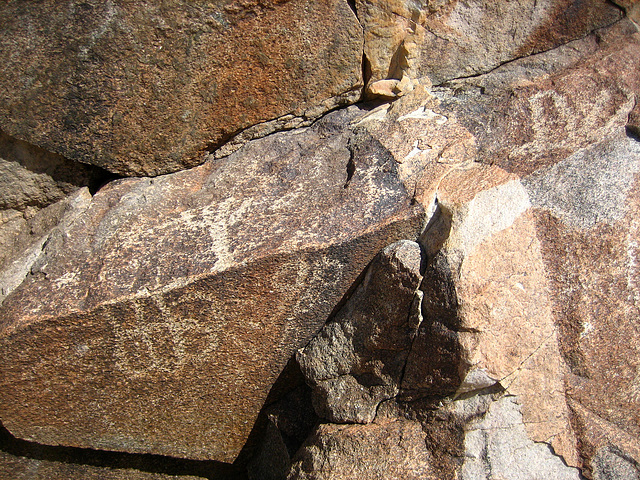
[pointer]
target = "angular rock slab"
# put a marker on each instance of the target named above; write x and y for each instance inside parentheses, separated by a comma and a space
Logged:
(159, 319)
(144, 88)
(24, 468)
(358, 359)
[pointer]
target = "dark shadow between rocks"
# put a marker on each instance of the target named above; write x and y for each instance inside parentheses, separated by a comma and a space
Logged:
(26, 167)
(117, 460)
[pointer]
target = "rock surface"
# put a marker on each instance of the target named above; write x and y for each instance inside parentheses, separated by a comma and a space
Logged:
(22, 468)
(181, 298)
(447, 39)
(454, 272)
(357, 361)
(395, 450)
(145, 88)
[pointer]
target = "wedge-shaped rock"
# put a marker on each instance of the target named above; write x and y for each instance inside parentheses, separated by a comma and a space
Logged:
(159, 319)
(145, 87)
(357, 360)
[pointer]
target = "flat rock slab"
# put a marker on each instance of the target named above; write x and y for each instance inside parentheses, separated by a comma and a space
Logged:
(24, 468)
(144, 88)
(158, 320)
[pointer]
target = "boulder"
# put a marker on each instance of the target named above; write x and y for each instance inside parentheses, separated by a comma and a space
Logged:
(528, 287)
(394, 450)
(357, 360)
(145, 88)
(158, 319)
(436, 41)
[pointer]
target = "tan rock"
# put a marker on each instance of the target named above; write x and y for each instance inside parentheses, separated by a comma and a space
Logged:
(448, 39)
(141, 88)
(158, 320)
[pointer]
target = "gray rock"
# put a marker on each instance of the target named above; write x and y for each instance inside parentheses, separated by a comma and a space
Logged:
(357, 360)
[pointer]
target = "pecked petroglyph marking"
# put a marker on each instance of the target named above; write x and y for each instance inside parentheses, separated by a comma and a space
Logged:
(144, 348)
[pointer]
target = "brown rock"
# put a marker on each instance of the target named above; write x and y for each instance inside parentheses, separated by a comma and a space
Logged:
(395, 450)
(141, 88)
(23, 468)
(32, 178)
(521, 114)
(159, 319)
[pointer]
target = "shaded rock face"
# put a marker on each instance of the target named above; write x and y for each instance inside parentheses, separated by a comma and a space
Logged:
(172, 296)
(22, 468)
(145, 88)
(528, 287)
(357, 360)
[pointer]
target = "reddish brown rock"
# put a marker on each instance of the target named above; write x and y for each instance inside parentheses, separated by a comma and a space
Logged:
(158, 320)
(144, 88)
(24, 468)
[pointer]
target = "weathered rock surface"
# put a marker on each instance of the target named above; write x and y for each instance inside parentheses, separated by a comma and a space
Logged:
(529, 284)
(497, 446)
(23, 468)
(32, 178)
(394, 450)
(357, 360)
(501, 342)
(159, 318)
(446, 39)
(144, 88)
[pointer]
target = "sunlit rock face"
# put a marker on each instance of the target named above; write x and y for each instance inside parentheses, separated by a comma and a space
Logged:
(145, 88)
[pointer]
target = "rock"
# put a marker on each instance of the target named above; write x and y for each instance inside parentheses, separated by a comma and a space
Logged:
(497, 446)
(32, 178)
(144, 88)
(23, 241)
(632, 9)
(512, 295)
(159, 319)
(357, 360)
(611, 464)
(23, 468)
(394, 450)
(520, 122)
(447, 39)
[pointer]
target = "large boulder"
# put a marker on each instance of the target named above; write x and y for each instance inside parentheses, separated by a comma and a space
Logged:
(158, 319)
(144, 87)
(442, 40)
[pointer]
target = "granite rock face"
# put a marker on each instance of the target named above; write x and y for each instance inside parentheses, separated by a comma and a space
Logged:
(181, 298)
(145, 88)
(514, 299)
(444, 286)
(436, 41)
(357, 360)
